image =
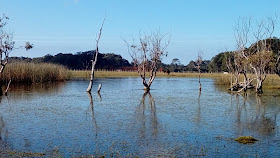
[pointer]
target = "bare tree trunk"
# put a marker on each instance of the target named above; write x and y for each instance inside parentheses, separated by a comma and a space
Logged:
(199, 61)
(199, 81)
(237, 80)
(92, 112)
(259, 86)
(91, 77)
(94, 60)
(245, 81)
(146, 86)
(231, 87)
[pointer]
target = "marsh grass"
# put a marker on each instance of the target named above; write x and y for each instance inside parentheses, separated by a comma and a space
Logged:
(107, 74)
(272, 80)
(23, 72)
(82, 74)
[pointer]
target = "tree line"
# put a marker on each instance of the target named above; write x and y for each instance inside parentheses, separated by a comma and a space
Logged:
(80, 60)
(111, 61)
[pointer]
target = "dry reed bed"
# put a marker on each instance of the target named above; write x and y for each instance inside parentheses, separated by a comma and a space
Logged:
(23, 72)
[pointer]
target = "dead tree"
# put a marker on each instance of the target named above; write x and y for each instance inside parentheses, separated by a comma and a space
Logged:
(6, 46)
(241, 32)
(94, 60)
(262, 57)
(198, 62)
(259, 56)
(147, 54)
(237, 67)
(7, 43)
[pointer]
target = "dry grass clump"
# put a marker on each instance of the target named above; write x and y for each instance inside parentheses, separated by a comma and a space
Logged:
(24, 72)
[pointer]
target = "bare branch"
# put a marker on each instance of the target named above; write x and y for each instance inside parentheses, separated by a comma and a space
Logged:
(147, 54)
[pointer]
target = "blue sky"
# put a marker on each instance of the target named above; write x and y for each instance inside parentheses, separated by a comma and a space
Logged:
(70, 26)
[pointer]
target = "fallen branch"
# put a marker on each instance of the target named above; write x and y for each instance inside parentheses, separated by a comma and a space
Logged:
(250, 80)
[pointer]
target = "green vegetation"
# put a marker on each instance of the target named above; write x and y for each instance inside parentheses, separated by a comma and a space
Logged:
(111, 61)
(218, 63)
(246, 140)
(23, 72)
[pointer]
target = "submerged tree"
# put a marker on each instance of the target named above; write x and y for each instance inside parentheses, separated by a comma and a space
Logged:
(199, 61)
(6, 46)
(147, 54)
(94, 60)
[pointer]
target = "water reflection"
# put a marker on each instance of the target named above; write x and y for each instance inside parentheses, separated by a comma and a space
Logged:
(147, 124)
(20, 90)
(154, 124)
(264, 121)
(254, 113)
(99, 95)
(3, 130)
(198, 115)
(92, 112)
(3, 133)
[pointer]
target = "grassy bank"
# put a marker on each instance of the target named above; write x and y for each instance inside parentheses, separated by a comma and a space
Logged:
(23, 72)
(33, 73)
(272, 80)
(107, 74)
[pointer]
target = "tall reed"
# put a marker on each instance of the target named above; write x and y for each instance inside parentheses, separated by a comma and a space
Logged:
(25, 72)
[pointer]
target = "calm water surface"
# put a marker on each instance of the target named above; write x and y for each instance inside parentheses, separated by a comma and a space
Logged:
(173, 120)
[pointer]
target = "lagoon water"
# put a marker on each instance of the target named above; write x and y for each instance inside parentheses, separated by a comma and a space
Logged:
(173, 120)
